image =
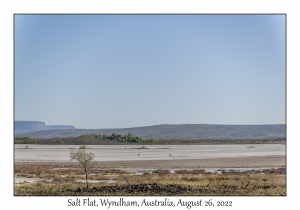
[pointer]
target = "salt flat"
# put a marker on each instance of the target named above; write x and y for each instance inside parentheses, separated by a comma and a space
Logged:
(106, 153)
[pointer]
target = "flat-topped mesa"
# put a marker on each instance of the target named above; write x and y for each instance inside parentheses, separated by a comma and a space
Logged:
(33, 126)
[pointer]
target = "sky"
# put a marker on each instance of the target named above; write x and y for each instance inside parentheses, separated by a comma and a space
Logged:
(119, 71)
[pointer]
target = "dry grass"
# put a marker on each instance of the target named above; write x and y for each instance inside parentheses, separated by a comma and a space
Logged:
(271, 182)
(161, 172)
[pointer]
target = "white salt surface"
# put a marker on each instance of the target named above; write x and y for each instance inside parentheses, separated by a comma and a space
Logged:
(61, 153)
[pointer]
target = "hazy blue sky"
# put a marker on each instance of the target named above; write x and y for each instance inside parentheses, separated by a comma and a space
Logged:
(112, 71)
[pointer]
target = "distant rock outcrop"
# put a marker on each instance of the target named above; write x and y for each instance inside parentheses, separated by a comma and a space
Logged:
(34, 126)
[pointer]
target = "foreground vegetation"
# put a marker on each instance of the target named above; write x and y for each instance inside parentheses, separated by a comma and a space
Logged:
(62, 180)
(98, 139)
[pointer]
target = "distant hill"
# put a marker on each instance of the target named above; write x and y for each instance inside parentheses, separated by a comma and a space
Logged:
(185, 131)
(34, 126)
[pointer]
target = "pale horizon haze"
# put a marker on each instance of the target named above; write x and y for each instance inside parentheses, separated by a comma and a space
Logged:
(119, 71)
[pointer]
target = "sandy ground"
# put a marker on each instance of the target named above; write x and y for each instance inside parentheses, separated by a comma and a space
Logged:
(242, 162)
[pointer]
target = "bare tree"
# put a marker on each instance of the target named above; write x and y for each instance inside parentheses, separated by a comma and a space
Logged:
(86, 161)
